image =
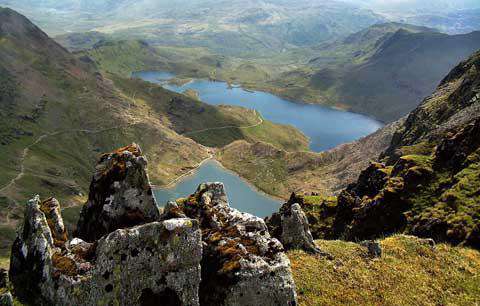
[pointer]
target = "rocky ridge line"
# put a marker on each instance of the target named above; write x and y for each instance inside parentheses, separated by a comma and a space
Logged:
(198, 252)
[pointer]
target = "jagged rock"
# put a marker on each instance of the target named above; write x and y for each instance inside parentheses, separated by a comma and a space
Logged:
(120, 195)
(51, 209)
(172, 210)
(373, 247)
(32, 250)
(6, 299)
(290, 226)
(242, 264)
(158, 261)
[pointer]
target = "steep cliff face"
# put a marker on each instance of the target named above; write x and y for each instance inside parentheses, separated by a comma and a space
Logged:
(428, 182)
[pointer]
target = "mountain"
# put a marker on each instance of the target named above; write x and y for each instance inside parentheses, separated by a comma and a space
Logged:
(456, 22)
(361, 45)
(241, 28)
(58, 112)
(426, 183)
(453, 17)
(391, 73)
(382, 71)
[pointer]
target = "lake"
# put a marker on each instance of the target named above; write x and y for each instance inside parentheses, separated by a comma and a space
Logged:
(326, 128)
(241, 195)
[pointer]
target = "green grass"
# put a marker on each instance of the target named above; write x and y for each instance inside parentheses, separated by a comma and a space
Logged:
(124, 57)
(408, 273)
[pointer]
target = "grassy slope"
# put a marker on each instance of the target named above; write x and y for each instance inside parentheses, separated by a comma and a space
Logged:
(213, 126)
(279, 172)
(408, 273)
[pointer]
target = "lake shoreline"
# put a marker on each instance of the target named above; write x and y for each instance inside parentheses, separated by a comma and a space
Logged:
(325, 126)
(193, 171)
(252, 89)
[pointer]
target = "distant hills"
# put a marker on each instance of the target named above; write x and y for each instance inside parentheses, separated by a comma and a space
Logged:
(397, 70)
(239, 28)
(385, 70)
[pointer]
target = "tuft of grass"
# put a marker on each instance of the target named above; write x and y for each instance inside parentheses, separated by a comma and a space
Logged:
(409, 272)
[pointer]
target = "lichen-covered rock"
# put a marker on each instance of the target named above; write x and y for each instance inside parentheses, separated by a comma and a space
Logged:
(120, 195)
(51, 209)
(158, 261)
(242, 264)
(290, 226)
(32, 251)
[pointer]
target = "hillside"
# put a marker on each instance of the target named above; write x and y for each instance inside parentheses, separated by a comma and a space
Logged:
(280, 173)
(405, 69)
(410, 272)
(58, 112)
(427, 182)
(383, 71)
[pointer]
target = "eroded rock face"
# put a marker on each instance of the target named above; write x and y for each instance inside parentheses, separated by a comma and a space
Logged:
(120, 195)
(158, 261)
(242, 264)
(290, 226)
(51, 210)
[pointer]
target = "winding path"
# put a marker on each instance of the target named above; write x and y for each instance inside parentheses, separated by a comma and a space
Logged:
(26, 150)
(228, 127)
(210, 154)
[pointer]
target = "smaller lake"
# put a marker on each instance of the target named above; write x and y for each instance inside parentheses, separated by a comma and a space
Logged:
(241, 195)
(326, 127)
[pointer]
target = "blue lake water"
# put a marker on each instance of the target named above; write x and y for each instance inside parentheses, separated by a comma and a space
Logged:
(241, 195)
(326, 128)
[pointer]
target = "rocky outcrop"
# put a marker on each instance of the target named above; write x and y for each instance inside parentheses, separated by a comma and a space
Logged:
(158, 261)
(374, 248)
(290, 226)
(200, 251)
(242, 264)
(122, 254)
(3, 278)
(120, 195)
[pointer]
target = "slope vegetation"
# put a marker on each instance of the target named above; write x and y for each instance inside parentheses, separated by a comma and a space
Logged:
(410, 272)
(427, 182)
